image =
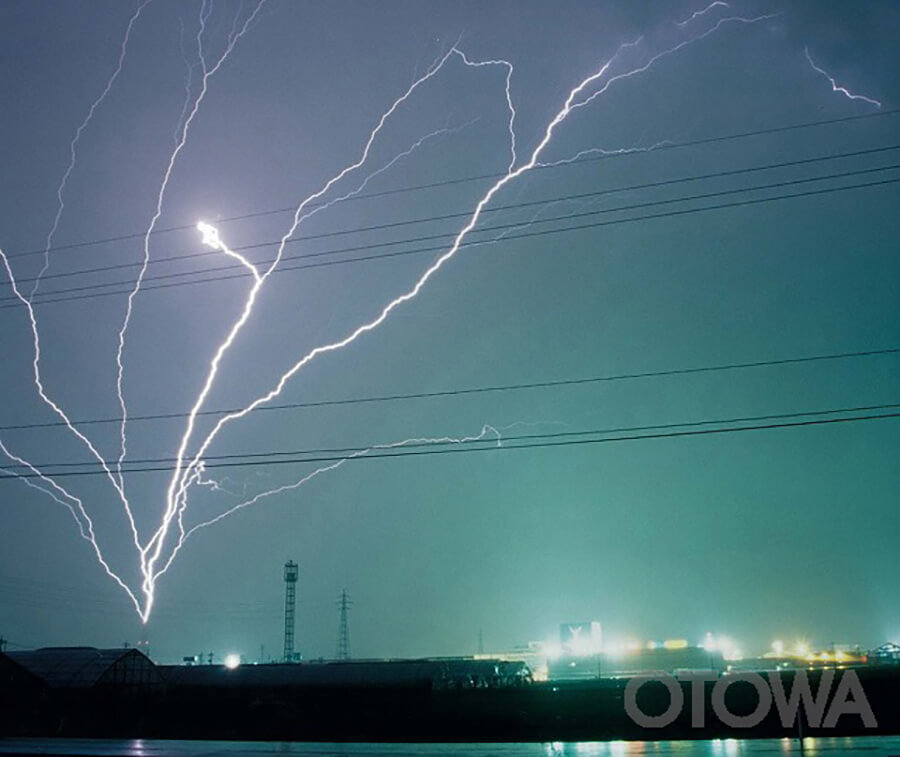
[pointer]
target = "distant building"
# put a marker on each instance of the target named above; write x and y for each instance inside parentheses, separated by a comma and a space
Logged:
(885, 654)
(581, 638)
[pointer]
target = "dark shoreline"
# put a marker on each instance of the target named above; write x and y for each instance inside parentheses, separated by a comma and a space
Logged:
(554, 711)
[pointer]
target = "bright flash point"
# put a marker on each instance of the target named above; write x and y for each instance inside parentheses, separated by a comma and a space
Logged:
(232, 661)
(210, 235)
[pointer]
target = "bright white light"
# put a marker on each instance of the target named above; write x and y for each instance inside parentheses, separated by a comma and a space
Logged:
(723, 644)
(232, 661)
(778, 647)
(210, 235)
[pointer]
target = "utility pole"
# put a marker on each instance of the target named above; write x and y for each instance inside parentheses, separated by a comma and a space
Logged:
(291, 571)
(343, 645)
(2, 645)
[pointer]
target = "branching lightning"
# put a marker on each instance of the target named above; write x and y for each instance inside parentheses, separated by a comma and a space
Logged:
(835, 87)
(486, 432)
(208, 73)
(73, 145)
(157, 553)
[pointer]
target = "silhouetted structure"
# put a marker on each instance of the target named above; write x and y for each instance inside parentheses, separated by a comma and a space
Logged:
(428, 674)
(87, 667)
(886, 654)
(291, 571)
(343, 645)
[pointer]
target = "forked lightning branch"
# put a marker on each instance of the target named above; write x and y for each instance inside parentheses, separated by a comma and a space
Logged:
(156, 551)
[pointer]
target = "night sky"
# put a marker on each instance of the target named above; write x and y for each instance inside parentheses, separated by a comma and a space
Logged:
(787, 533)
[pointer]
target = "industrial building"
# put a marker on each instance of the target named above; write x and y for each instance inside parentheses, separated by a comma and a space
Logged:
(16, 682)
(886, 654)
(89, 668)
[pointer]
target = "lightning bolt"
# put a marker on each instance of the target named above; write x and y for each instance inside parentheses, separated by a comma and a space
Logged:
(486, 432)
(157, 554)
(210, 237)
(697, 14)
(580, 96)
(602, 151)
(53, 490)
(39, 385)
(188, 82)
(76, 508)
(179, 484)
(834, 85)
(117, 481)
(73, 145)
(207, 74)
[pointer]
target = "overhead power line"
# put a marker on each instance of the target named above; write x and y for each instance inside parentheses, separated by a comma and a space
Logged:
(194, 255)
(520, 441)
(48, 298)
(483, 177)
(580, 381)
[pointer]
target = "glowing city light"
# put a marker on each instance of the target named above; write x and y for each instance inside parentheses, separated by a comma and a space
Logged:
(232, 661)
(722, 644)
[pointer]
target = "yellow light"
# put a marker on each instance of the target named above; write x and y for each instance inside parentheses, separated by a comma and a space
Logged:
(675, 644)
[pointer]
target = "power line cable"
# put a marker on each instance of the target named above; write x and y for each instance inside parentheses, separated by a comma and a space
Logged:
(581, 381)
(467, 213)
(520, 441)
(482, 177)
(241, 272)
(209, 459)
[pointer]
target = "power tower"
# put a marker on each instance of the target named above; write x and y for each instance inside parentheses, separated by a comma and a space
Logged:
(343, 645)
(290, 602)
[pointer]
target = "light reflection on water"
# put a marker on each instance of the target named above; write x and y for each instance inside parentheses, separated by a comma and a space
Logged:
(710, 748)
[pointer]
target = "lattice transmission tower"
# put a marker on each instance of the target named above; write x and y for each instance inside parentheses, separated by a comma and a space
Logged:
(291, 571)
(343, 645)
